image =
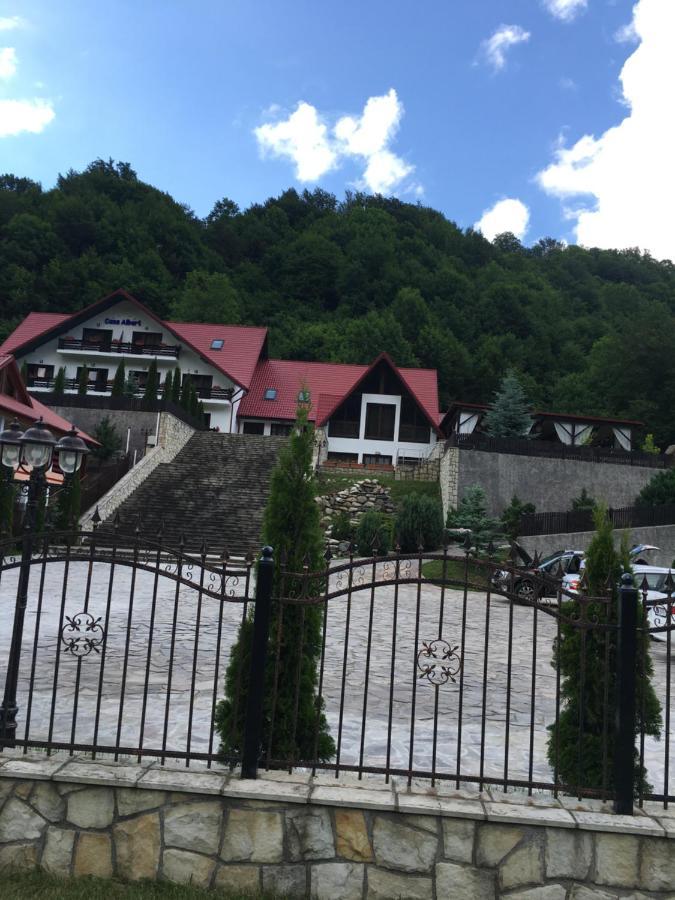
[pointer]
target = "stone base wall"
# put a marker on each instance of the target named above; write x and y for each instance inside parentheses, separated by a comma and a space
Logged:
(299, 836)
(449, 478)
(354, 501)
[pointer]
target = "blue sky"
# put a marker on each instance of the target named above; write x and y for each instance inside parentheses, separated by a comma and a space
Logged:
(202, 99)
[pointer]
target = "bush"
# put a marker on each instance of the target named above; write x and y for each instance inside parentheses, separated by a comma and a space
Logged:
(419, 523)
(119, 381)
(373, 531)
(60, 382)
(472, 514)
(109, 439)
(584, 501)
(649, 446)
(342, 529)
(512, 515)
(660, 491)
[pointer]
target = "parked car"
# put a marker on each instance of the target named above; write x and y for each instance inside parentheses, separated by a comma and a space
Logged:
(654, 579)
(639, 555)
(527, 581)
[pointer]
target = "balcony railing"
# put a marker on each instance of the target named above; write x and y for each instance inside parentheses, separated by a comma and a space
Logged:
(171, 351)
(105, 387)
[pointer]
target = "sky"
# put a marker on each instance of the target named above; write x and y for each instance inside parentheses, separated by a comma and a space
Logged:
(547, 118)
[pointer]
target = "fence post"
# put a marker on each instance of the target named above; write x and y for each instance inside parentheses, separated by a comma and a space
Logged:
(256, 680)
(626, 662)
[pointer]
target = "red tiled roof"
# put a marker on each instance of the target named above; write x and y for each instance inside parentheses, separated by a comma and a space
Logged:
(241, 348)
(328, 384)
(35, 324)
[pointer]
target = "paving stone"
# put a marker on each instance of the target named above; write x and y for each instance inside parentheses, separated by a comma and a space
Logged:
(269, 791)
(108, 774)
(453, 880)
(352, 835)
(458, 839)
(518, 814)
(285, 881)
(183, 780)
(525, 865)
(592, 821)
(337, 879)
(58, 851)
(398, 846)
(616, 859)
(18, 822)
(541, 892)
(420, 804)
(309, 834)
(183, 867)
(18, 856)
(48, 802)
(458, 808)
(194, 826)
(238, 879)
(91, 808)
(494, 842)
(253, 836)
(383, 885)
(41, 769)
(361, 798)
(568, 854)
(657, 867)
(135, 800)
(93, 855)
(137, 845)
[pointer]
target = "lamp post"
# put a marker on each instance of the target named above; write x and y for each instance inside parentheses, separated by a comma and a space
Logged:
(71, 450)
(34, 448)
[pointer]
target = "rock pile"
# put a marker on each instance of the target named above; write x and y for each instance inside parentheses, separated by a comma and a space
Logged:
(354, 501)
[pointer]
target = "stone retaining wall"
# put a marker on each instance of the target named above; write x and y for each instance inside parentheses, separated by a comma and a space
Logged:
(321, 837)
(354, 501)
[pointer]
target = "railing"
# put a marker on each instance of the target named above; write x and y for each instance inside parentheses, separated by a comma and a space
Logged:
(575, 520)
(104, 387)
(553, 450)
(122, 347)
(420, 665)
(135, 404)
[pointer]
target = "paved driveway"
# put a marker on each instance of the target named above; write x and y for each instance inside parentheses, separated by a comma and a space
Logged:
(72, 709)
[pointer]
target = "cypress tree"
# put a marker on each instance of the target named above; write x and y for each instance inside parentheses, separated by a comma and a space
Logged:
(509, 416)
(292, 527)
(83, 381)
(176, 386)
(68, 504)
(7, 501)
(152, 383)
(167, 387)
(185, 394)
(119, 380)
(60, 382)
(586, 723)
(194, 403)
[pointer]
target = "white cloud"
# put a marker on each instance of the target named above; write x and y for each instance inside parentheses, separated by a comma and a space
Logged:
(626, 34)
(17, 116)
(621, 183)
(494, 48)
(506, 215)
(8, 63)
(306, 140)
(9, 23)
(302, 138)
(565, 10)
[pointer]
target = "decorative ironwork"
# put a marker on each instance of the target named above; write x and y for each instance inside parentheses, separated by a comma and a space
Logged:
(81, 634)
(439, 662)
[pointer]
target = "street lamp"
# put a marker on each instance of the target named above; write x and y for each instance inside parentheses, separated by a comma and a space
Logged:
(37, 444)
(10, 448)
(71, 450)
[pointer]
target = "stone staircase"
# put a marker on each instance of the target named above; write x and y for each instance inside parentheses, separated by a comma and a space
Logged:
(215, 490)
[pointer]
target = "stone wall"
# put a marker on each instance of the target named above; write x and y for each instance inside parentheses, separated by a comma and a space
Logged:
(449, 479)
(662, 536)
(173, 435)
(141, 422)
(354, 501)
(299, 836)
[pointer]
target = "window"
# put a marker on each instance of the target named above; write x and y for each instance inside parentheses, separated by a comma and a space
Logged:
(35, 374)
(217, 344)
(334, 456)
(413, 426)
(141, 339)
(376, 459)
(303, 397)
(97, 379)
(281, 429)
(270, 393)
(380, 420)
(201, 383)
(253, 428)
(346, 420)
(96, 339)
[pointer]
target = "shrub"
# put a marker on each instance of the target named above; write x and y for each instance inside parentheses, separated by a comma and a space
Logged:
(60, 382)
(119, 380)
(584, 501)
(649, 446)
(83, 382)
(511, 516)
(419, 523)
(342, 529)
(373, 531)
(660, 491)
(152, 383)
(472, 515)
(108, 437)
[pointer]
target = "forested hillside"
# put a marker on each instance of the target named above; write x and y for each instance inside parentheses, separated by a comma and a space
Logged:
(589, 330)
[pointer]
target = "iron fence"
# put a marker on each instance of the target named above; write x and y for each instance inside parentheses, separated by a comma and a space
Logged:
(574, 520)
(428, 665)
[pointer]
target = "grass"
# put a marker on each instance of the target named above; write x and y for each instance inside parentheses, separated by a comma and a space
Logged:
(454, 571)
(38, 885)
(331, 484)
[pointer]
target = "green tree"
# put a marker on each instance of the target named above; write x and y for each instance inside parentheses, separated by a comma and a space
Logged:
(660, 491)
(207, 297)
(373, 533)
(68, 504)
(7, 502)
(186, 394)
(512, 515)
(419, 522)
(60, 382)
(509, 415)
(292, 527)
(167, 387)
(152, 383)
(584, 501)
(131, 386)
(83, 381)
(119, 380)
(649, 445)
(471, 515)
(109, 439)
(176, 385)
(582, 739)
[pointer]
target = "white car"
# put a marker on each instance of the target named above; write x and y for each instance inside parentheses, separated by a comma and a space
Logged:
(651, 582)
(638, 555)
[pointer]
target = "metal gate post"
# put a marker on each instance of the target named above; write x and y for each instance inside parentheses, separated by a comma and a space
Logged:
(626, 664)
(9, 709)
(256, 679)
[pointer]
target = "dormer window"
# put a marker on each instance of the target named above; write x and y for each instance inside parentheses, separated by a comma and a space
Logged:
(270, 393)
(303, 397)
(217, 344)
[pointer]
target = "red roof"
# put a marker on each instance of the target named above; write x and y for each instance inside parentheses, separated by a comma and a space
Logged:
(328, 384)
(35, 324)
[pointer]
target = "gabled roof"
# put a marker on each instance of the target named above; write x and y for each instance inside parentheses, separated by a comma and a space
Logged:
(246, 344)
(329, 385)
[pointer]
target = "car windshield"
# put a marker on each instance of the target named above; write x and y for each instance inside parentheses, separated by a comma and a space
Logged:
(655, 580)
(551, 558)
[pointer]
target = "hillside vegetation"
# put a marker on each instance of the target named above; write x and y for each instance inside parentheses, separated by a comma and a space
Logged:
(588, 330)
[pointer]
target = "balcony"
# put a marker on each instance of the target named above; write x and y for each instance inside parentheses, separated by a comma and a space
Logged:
(118, 348)
(215, 393)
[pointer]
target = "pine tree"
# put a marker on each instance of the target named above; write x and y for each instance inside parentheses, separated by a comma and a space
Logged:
(108, 438)
(151, 383)
(472, 514)
(60, 382)
(586, 724)
(512, 515)
(119, 380)
(83, 382)
(176, 386)
(68, 504)
(509, 416)
(185, 394)
(292, 527)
